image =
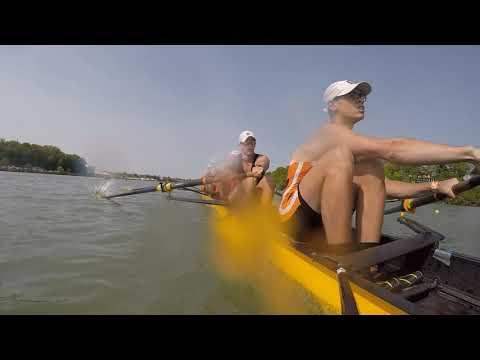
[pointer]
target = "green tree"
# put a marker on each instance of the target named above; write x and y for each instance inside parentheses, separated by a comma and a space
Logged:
(411, 174)
(279, 175)
(47, 157)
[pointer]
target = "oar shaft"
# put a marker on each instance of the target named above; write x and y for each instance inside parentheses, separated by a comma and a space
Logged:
(180, 185)
(457, 189)
(169, 186)
(347, 300)
(163, 187)
(197, 201)
(135, 191)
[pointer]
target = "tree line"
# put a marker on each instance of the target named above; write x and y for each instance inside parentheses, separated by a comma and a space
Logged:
(46, 157)
(125, 175)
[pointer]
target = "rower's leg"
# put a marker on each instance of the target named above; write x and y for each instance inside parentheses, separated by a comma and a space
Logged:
(267, 187)
(248, 185)
(244, 191)
(224, 191)
(328, 189)
(369, 179)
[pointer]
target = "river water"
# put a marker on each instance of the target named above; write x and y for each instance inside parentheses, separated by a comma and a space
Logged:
(62, 251)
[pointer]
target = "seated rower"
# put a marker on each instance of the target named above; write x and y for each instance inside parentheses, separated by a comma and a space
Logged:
(242, 175)
(338, 171)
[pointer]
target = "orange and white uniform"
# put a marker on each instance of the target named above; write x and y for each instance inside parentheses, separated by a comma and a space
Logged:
(290, 199)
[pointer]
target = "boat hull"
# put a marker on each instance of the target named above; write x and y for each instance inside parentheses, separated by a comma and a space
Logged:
(317, 275)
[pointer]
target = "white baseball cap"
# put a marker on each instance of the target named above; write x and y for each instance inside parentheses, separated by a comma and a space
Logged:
(245, 135)
(344, 87)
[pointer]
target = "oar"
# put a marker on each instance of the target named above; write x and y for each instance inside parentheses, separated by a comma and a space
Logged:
(411, 204)
(279, 193)
(347, 300)
(170, 186)
(197, 201)
(163, 187)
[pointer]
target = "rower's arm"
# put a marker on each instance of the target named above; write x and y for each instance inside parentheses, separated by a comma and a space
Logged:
(406, 151)
(225, 170)
(403, 190)
(260, 167)
(263, 161)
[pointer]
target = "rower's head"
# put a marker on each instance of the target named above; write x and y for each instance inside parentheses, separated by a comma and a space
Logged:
(247, 143)
(345, 100)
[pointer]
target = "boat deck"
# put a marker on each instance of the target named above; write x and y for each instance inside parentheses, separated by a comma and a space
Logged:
(446, 289)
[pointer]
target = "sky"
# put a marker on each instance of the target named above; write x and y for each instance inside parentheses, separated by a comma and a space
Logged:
(169, 110)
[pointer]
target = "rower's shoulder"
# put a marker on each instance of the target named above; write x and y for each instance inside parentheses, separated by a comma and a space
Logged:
(325, 137)
(235, 156)
(315, 135)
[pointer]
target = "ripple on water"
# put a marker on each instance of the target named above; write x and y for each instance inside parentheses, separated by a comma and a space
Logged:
(62, 251)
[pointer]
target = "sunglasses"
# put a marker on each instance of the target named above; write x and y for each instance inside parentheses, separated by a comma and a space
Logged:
(354, 96)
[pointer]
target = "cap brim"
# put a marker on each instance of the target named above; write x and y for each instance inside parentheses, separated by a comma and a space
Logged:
(364, 87)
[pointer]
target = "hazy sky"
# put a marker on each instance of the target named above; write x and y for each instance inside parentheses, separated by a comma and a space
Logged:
(168, 110)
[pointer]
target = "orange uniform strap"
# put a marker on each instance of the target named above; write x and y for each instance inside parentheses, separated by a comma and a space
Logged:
(290, 200)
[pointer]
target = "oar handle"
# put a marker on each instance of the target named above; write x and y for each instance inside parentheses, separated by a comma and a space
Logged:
(410, 204)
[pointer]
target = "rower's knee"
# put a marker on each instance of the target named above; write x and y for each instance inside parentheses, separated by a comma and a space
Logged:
(268, 182)
(370, 167)
(249, 183)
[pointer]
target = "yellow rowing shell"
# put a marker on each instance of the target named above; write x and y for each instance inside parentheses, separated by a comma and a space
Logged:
(319, 280)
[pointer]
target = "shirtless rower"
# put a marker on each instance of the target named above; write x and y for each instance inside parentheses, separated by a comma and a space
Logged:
(245, 173)
(338, 171)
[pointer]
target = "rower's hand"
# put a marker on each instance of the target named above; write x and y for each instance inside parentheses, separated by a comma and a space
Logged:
(445, 187)
(257, 171)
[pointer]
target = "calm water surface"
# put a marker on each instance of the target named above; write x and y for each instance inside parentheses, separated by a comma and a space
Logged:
(64, 252)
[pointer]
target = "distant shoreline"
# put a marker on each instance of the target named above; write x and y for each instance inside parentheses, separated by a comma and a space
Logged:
(40, 171)
(17, 169)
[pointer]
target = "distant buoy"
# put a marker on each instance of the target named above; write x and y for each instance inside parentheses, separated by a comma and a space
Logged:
(436, 211)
